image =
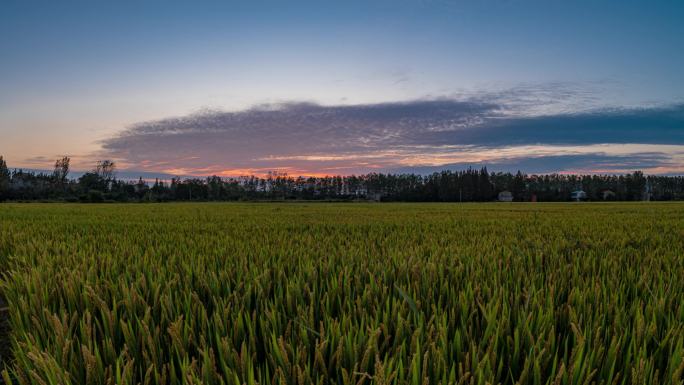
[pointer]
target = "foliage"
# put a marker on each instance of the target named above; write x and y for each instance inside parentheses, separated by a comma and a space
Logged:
(344, 293)
(5, 178)
(446, 186)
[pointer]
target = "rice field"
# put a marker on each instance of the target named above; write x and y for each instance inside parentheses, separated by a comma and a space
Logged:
(342, 293)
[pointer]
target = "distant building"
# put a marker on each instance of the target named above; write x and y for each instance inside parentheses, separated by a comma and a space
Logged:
(505, 196)
(578, 195)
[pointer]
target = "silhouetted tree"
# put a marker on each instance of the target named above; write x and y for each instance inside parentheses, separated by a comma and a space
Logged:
(4, 179)
(469, 185)
(61, 169)
(105, 169)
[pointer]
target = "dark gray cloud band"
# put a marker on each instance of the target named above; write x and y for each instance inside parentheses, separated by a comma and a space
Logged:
(648, 126)
(418, 135)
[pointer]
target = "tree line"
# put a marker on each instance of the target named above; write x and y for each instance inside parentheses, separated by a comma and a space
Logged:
(471, 185)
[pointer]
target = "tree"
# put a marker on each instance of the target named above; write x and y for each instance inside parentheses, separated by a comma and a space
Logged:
(518, 185)
(4, 179)
(485, 188)
(92, 181)
(214, 187)
(452, 186)
(105, 169)
(141, 189)
(61, 169)
(61, 172)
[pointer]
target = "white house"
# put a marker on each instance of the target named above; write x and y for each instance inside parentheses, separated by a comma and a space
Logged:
(505, 196)
(578, 195)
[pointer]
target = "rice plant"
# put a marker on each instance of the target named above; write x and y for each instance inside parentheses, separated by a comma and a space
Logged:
(343, 293)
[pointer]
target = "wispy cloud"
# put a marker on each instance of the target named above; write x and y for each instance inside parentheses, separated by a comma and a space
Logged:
(79, 162)
(522, 128)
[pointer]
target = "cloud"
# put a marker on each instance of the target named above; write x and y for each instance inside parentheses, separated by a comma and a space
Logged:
(596, 163)
(501, 130)
(45, 163)
(651, 126)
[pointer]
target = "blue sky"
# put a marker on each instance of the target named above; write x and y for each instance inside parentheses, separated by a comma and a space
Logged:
(85, 79)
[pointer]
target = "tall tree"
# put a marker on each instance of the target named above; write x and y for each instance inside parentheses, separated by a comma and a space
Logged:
(62, 169)
(4, 179)
(105, 169)
(61, 172)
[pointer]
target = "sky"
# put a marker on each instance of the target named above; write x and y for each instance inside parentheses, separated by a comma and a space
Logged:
(343, 87)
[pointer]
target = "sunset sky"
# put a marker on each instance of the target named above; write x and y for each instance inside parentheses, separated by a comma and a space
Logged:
(341, 87)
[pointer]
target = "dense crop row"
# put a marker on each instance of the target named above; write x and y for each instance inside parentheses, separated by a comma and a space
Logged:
(344, 294)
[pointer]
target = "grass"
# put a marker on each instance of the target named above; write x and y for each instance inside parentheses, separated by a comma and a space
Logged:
(344, 293)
